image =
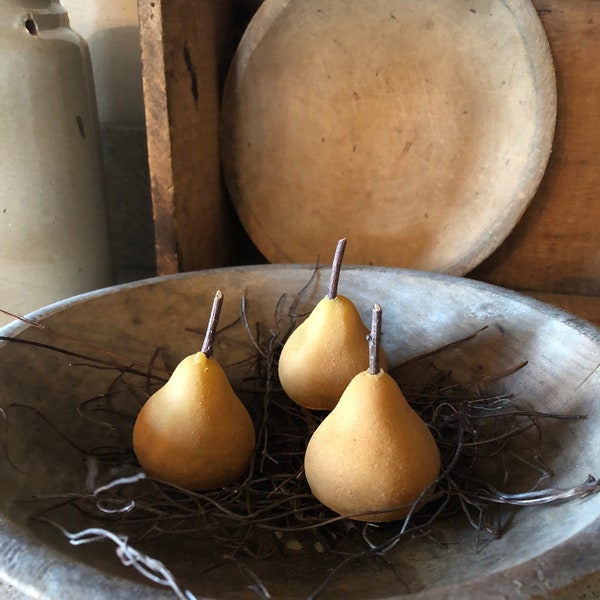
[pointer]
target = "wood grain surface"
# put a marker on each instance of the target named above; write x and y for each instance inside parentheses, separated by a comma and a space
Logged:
(554, 251)
(555, 248)
(186, 46)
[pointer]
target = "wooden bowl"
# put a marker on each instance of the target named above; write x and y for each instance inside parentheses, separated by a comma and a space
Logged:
(545, 549)
(421, 130)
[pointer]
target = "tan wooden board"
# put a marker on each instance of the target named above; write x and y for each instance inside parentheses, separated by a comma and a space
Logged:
(556, 245)
(186, 47)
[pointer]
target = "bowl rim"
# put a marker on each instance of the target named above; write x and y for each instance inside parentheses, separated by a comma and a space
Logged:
(18, 325)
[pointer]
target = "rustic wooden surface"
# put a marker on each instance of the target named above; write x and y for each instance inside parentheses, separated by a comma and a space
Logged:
(186, 47)
(553, 253)
(423, 312)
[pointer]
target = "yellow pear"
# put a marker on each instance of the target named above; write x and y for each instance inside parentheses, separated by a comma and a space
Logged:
(327, 350)
(324, 353)
(194, 431)
(372, 457)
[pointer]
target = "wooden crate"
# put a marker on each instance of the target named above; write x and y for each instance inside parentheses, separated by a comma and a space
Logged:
(553, 253)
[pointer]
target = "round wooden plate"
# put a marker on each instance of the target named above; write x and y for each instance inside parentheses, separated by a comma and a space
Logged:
(418, 130)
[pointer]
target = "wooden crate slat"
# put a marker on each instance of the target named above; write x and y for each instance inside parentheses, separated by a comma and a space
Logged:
(186, 47)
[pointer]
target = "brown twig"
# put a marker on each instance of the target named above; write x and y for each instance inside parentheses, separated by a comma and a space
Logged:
(374, 339)
(213, 320)
(336, 268)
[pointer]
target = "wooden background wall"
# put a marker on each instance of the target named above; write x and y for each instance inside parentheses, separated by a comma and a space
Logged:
(553, 253)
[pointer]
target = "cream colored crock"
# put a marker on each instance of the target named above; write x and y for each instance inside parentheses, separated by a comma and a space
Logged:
(53, 228)
(111, 30)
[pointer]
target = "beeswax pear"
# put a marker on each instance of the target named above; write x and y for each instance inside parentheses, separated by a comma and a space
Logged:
(327, 350)
(372, 457)
(194, 431)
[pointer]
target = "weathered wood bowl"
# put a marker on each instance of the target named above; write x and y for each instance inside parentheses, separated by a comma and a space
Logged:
(545, 549)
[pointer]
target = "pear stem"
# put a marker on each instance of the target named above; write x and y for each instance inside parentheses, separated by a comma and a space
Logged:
(213, 320)
(374, 339)
(336, 267)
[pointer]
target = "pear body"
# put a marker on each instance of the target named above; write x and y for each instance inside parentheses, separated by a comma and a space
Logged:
(195, 432)
(324, 353)
(372, 452)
